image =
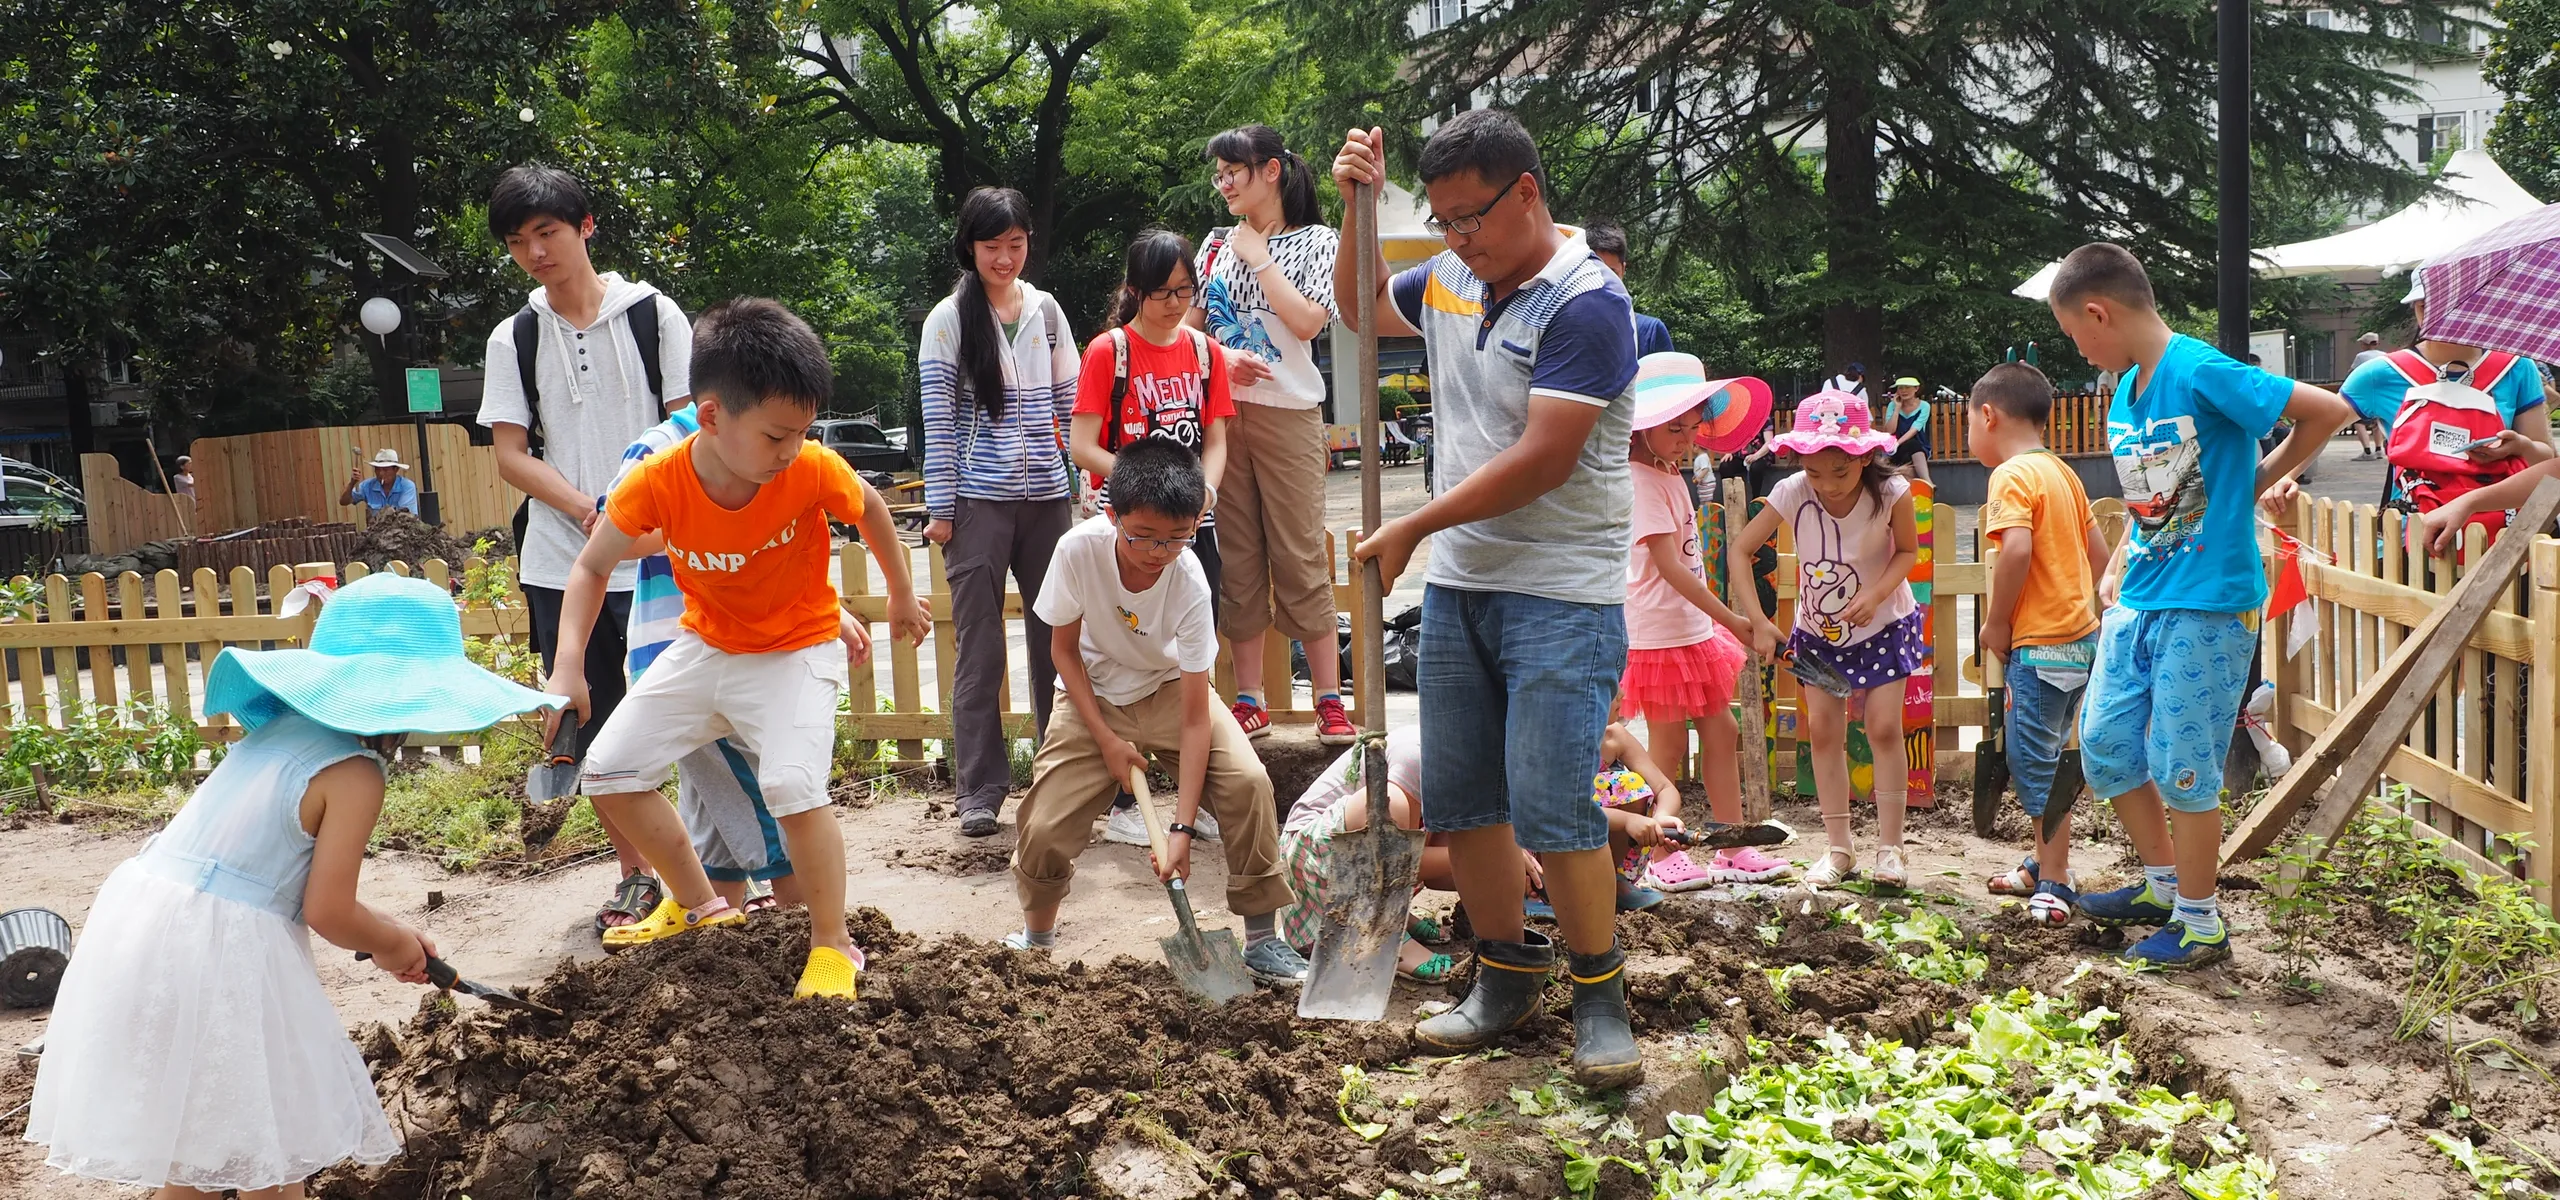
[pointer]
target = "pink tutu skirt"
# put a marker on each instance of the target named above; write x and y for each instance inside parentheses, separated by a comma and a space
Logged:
(1685, 681)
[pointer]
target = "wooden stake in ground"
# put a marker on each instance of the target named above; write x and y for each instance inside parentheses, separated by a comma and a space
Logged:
(186, 528)
(1753, 723)
(1372, 872)
(2343, 765)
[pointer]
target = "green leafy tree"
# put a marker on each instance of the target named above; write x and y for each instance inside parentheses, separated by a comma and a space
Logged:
(193, 174)
(2524, 62)
(1879, 173)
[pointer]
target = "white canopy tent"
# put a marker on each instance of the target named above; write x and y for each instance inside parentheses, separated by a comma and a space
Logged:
(2474, 198)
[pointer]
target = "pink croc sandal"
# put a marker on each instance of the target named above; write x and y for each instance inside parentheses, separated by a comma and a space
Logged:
(1677, 872)
(1746, 864)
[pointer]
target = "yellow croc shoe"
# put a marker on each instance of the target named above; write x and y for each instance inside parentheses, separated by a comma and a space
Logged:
(829, 974)
(670, 919)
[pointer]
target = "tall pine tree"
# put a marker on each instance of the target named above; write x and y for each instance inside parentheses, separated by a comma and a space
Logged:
(1865, 168)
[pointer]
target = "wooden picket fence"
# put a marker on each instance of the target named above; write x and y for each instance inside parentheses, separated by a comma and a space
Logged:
(2478, 768)
(2479, 764)
(2078, 427)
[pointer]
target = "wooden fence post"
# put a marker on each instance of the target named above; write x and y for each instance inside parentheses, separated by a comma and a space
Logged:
(2286, 671)
(2542, 783)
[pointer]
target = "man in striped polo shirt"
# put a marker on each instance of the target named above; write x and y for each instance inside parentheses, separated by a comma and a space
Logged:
(1532, 351)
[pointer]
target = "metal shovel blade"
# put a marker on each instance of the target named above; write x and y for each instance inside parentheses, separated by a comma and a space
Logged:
(1208, 965)
(1991, 766)
(1716, 835)
(1372, 871)
(555, 775)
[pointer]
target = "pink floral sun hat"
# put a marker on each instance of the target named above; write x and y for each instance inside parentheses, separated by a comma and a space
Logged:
(1833, 420)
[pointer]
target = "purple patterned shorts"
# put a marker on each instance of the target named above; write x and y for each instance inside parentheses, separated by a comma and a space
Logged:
(1894, 652)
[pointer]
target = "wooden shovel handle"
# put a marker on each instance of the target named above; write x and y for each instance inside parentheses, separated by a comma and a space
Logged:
(1147, 812)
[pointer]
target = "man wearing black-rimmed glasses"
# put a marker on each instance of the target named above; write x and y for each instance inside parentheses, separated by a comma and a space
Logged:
(1531, 345)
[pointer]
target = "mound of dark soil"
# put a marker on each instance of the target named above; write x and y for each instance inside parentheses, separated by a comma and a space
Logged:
(397, 535)
(965, 1070)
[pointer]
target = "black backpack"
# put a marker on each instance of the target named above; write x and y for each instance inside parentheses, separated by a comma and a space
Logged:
(528, 339)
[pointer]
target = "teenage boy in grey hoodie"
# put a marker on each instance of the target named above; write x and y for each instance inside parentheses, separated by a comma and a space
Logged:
(574, 378)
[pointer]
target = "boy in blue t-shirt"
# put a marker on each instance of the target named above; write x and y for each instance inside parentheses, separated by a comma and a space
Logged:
(2184, 589)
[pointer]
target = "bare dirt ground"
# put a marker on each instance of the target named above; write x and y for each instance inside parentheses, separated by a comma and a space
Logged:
(2322, 1089)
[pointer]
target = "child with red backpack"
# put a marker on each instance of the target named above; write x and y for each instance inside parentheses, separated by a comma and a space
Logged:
(2453, 416)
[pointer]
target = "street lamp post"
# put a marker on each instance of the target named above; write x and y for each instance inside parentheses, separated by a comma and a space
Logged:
(2231, 266)
(386, 312)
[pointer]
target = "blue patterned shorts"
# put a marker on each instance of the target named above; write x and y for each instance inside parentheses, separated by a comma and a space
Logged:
(2162, 702)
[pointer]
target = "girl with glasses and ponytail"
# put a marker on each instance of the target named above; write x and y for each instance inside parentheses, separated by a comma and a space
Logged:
(1266, 294)
(997, 376)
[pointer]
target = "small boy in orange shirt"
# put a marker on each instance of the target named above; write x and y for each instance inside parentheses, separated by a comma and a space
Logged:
(741, 510)
(2041, 617)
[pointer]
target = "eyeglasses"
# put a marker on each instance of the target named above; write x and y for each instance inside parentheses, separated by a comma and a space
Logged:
(1467, 225)
(1159, 545)
(1230, 176)
(1185, 292)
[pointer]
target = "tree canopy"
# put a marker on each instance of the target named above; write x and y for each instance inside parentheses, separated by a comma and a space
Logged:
(2524, 62)
(1879, 174)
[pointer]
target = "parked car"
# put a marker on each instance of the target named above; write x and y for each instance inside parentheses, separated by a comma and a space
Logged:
(33, 502)
(17, 468)
(863, 443)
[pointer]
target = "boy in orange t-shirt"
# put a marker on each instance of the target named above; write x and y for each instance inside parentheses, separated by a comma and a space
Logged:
(2041, 617)
(741, 510)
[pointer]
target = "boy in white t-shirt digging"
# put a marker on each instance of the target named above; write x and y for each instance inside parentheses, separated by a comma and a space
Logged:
(1130, 619)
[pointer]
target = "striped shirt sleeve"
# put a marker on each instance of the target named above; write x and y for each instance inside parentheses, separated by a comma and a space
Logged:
(938, 385)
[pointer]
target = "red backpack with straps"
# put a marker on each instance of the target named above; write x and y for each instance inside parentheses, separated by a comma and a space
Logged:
(2441, 417)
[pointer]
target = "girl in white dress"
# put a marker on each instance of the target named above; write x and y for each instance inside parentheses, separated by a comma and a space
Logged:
(191, 1048)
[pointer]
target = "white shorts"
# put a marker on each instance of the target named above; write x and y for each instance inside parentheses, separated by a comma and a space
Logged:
(781, 707)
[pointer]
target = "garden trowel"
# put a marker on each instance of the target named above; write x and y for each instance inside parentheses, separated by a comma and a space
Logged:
(555, 775)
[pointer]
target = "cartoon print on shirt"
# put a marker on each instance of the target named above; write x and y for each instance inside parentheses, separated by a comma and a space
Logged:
(1237, 328)
(1829, 581)
(2161, 472)
(1130, 619)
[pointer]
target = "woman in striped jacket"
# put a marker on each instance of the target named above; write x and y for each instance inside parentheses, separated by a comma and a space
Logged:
(997, 371)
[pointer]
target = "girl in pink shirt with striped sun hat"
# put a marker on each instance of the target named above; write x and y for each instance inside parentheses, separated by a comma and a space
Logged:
(1684, 645)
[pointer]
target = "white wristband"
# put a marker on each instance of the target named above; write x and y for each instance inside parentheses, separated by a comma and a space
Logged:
(1267, 264)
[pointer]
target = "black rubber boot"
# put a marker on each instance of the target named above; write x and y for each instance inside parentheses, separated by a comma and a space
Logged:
(1604, 1045)
(1510, 977)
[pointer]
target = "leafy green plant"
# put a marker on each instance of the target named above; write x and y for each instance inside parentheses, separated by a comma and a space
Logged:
(2498, 1177)
(128, 745)
(2302, 910)
(19, 598)
(490, 583)
(1925, 944)
(2475, 939)
(1933, 1122)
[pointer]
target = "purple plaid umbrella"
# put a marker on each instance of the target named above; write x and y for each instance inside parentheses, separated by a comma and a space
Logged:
(2501, 290)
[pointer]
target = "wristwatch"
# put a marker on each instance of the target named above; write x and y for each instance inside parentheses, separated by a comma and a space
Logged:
(1179, 827)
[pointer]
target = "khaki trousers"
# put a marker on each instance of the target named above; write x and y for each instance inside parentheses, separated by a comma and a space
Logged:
(1070, 788)
(1271, 526)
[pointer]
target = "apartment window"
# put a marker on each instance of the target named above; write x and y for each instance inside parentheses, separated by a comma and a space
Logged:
(1649, 95)
(2320, 18)
(1445, 13)
(2439, 133)
(2432, 31)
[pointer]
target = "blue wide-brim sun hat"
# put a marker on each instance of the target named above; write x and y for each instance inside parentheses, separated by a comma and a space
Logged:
(385, 657)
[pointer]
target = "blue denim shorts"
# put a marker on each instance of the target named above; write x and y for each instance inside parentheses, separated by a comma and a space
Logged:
(2163, 700)
(2039, 723)
(1516, 692)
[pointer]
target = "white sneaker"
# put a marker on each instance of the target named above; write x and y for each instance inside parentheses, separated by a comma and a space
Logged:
(1125, 828)
(1206, 825)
